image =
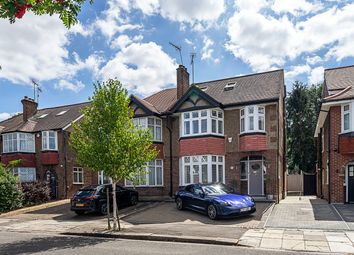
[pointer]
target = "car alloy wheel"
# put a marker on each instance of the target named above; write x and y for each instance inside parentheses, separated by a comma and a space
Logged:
(212, 212)
(103, 209)
(133, 200)
(179, 203)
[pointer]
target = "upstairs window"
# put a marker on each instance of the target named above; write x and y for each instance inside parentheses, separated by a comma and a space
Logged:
(18, 142)
(49, 140)
(252, 119)
(152, 123)
(346, 117)
(202, 122)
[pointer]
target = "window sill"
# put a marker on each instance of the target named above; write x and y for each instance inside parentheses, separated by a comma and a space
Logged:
(202, 135)
(145, 186)
(45, 150)
(78, 183)
(254, 133)
(13, 152)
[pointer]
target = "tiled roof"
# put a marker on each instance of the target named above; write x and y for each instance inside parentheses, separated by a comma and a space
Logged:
(339, 83)
(249, 88)
(145, 103)
(163, 100)
(51, 121)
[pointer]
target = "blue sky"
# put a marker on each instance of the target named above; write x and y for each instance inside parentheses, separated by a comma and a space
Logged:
(129, 40)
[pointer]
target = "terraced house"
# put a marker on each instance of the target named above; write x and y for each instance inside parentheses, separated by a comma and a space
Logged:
(335, 132)
(229, 130)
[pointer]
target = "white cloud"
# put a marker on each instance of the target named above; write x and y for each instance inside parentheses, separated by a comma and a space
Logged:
(316, 75)
(296, 8)
(75, 86)
(35, 47)
(264, 41)
(295, 71)
(188, 41)
(143, 68)
(4, 115)
(207, 50)
(254, 5)
(313, 60)
(123, 40)
(148, 7)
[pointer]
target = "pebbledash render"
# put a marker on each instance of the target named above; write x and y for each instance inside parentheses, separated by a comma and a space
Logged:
(229, 130)
(335, 132)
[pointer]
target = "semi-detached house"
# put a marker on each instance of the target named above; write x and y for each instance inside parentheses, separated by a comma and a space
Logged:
(229, 130)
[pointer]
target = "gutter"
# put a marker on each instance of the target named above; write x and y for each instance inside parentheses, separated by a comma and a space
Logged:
(65, 164)
(329, 158)
(169, 120)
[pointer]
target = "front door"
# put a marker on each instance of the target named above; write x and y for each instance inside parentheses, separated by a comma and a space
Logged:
(350, 183)
(255, 178)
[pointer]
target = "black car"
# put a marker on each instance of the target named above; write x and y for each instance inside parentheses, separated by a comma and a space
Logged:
(94, 198)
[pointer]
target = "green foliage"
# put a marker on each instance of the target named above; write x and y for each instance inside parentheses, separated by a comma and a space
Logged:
(106, 139)
(10, 194)
(302, 108)
(67, 9)
(35, 193)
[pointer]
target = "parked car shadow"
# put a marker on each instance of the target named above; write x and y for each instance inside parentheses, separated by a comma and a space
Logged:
(48, 244)
(167, 213)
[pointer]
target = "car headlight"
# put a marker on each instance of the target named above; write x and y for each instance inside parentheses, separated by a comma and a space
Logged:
(224, 203)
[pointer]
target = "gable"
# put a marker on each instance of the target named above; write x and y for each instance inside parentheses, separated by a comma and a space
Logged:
(139, 111)
(193, 99)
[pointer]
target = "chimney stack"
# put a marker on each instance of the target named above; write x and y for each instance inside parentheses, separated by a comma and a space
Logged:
(29, 108)
(182, 81)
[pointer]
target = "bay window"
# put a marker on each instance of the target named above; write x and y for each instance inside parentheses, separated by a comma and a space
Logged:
(25, 174)
(202, 169)
(49, 140)
(18, 142)
(152, 123)
(209, 121)
(252, 119)
(153, 176)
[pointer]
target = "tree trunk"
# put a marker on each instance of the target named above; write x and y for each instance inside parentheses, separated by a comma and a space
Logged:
(116, 223)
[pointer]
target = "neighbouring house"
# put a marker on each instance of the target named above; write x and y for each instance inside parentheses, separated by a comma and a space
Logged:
(39, 138)
(335, 132)
(229, 130)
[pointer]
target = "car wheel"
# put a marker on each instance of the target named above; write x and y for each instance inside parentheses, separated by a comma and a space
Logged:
(133, 200)
(80, 212)
(103, 209)
(212, 213)
(179, 203)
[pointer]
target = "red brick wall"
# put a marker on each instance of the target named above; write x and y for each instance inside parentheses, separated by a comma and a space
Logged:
(49, 158)
(346, 144)
(202, 145)
(253, 142)
(27, 159)
(160, 148)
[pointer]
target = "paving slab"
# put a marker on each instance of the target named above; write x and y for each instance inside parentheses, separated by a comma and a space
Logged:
(250, 241)
(291, 244)
(350, 235)
(271, 243)
(341, 247)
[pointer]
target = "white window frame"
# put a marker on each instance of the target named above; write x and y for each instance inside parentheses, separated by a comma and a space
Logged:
(30, 145)
(209, 162)
(351, 119)
(143, 122)
(102, 177)
(23, 171)
(45, 137)
(76, 172)
(245, 118)
(145, 178)
(187, 117)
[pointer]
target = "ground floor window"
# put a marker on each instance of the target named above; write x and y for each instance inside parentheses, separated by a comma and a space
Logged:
(202, 169)
(103, 179)
(78, 174)
(153, 176)
(25, 174)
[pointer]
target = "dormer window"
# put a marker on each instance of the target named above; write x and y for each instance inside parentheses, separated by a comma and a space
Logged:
(61, 113)
(230, 86)
(43, 116)
(252, 119)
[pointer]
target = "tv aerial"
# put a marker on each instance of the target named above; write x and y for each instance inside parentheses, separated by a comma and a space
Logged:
(36, 90)
(193, 55)
(179, 49)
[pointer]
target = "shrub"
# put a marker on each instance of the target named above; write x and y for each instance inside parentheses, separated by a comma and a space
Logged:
(10, 194)
(35, 193)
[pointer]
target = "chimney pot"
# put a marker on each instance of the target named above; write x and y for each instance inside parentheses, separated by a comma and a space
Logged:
(29, 108)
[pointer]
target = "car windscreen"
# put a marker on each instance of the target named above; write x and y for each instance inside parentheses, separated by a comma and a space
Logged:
(85, 192)
(216, 189)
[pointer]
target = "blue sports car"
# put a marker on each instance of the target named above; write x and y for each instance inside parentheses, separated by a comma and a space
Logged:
(217, 200)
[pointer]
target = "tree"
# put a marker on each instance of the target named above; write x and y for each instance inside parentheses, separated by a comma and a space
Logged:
(106, 139)
(10, 193)
(67, 9)
(302, 108)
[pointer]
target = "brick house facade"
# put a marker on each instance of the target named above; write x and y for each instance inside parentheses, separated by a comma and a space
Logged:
(229, 131)
(335, 165)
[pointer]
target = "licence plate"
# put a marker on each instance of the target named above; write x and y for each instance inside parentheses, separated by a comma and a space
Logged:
(245, 209)
(79, 205)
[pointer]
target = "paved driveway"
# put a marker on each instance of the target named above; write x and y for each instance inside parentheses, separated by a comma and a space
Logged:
(166, 219)
(310, 213)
